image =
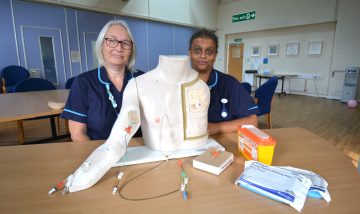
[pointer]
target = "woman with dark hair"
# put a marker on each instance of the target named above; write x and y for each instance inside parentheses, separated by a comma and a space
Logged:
(230, 104)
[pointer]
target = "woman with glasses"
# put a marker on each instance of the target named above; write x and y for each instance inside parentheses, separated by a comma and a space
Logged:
(95, 97)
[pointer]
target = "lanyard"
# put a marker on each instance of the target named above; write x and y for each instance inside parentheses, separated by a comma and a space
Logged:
(215, 82)
(111, 96)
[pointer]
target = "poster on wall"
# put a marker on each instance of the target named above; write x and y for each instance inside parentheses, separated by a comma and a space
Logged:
(315, 47)
(292, 49)
(273, 49)
(255, 50)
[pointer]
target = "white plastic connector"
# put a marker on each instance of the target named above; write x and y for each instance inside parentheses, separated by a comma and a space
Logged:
(120, 175)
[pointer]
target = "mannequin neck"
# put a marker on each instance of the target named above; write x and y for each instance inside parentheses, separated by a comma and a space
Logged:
(176, 68)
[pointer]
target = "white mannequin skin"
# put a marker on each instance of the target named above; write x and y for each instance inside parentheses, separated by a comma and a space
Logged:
(203, 54)
(162, 118)
(170, 103)
(115, 61)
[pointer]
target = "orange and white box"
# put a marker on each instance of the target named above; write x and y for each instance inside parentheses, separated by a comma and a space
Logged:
(255, 144)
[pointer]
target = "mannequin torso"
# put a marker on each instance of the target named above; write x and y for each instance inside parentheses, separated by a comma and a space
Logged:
(173, 106)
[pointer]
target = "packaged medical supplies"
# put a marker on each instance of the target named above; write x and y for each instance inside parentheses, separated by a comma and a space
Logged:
(213, 160)
(318, 187)
(283, 183)
(275, 183)
(254, 144)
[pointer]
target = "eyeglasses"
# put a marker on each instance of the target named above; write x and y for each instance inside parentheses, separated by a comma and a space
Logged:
(113, 43)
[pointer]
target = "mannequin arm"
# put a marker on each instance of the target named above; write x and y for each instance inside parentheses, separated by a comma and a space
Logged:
(101, 160)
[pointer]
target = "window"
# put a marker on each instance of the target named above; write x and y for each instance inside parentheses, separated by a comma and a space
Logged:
(93, 54)
(48, 59)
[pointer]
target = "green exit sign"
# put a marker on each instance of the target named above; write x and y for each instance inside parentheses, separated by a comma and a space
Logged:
(238, 40)
(243, 16)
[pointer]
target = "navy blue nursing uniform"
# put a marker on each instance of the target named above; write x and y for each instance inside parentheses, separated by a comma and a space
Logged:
(239, 102)
(89, 103)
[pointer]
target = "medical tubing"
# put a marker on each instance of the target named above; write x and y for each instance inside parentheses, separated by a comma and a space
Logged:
(147, 198)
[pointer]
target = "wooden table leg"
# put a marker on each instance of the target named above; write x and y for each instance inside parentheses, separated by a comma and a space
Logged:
(67, 126)
(21, 135)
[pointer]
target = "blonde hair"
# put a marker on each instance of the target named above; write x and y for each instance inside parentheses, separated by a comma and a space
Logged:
(101, 38)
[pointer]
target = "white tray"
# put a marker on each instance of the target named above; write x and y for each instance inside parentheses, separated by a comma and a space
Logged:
(142, 154)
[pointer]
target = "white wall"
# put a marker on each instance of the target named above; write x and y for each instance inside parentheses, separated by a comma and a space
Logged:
(274, 16)
(269, 14)
(346, 45)
(303, 63)
(195, 13)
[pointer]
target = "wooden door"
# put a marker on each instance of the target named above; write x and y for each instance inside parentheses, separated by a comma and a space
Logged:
(235, 60)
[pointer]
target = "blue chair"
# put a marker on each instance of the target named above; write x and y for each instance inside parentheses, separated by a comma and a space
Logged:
(11, 75)
(69, 82)
(247, 86)
(35, 84)
(263, 97)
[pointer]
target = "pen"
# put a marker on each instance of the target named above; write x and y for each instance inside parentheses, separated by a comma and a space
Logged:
(57, 187)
